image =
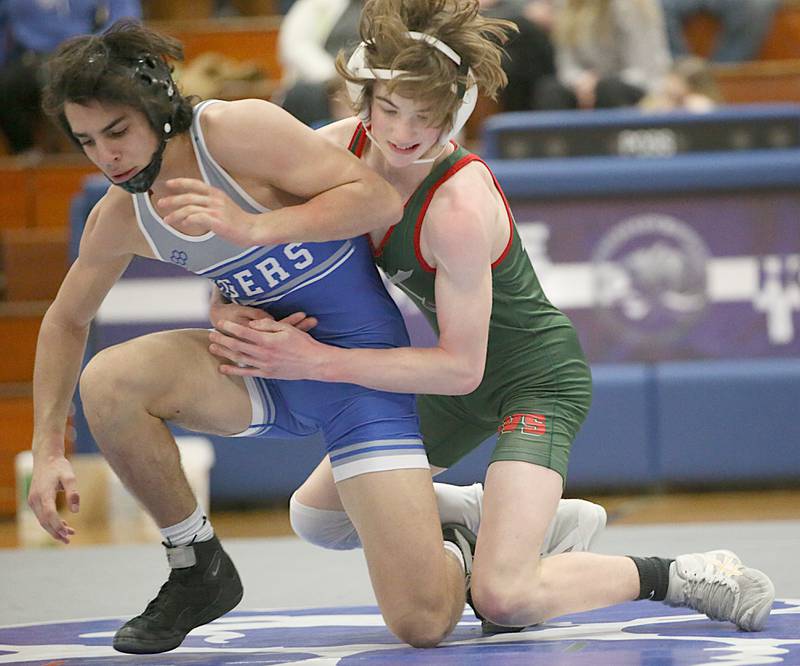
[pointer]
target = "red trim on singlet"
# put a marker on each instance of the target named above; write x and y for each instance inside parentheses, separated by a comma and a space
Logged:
(358, 148)
(378, 251)
(460, 164)
(357, 145)
(509, 214)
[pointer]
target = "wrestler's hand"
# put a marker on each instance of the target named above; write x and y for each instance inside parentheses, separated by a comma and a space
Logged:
(196, 207)
(220, 311)
(267, 348)
(52, 474)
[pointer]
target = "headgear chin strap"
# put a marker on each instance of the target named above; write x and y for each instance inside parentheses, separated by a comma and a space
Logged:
(153, 73)
(467, 95)
(143, 181)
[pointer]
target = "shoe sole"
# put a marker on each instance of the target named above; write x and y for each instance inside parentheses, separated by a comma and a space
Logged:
(143, 646)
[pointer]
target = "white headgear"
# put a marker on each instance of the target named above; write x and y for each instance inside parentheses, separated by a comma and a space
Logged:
(357, 65)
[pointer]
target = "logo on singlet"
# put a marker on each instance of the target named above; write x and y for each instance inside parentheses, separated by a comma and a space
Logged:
(399, 278)
(527, 424)
(179, 257)
(270, 272)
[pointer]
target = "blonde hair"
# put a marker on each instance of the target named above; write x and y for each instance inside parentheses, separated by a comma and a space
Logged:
(431, 76)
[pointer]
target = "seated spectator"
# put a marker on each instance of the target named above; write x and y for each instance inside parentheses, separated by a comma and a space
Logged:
(690, 85)
(529, 54)
(608, 53)
(31, 29)
(310, 36)
(743, 26)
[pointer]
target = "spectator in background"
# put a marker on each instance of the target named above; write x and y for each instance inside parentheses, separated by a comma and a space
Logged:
(744, 25)
(529, 54)
(608, 53)
(310, 36)
(30, 30)
(690, 86)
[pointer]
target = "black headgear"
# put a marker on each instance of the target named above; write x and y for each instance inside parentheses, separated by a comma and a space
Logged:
(153, 75)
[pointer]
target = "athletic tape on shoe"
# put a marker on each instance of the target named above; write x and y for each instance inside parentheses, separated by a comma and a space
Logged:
(181, 557)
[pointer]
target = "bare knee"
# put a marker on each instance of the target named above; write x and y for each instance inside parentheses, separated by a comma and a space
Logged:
(102, 384)
(420, 627)
(509, 603)
(421, 615)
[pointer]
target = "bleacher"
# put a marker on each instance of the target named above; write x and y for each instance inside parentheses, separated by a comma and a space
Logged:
(36, 195)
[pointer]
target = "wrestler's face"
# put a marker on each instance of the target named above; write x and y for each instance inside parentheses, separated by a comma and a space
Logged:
(118, 139)
(402, 127)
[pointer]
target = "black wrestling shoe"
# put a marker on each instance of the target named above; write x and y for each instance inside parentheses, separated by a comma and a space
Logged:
(464, 539)
(202, 586)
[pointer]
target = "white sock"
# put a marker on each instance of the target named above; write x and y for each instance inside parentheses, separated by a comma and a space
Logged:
(460, 504)
(196, 528)
(449, 545)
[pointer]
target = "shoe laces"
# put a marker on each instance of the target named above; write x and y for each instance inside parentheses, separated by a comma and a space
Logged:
(162, 599)
(714, 589)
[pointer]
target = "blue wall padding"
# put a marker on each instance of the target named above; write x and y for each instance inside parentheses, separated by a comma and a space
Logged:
(617, 445)
(631, 117)
(725, 421)
(261, 471)
(615, 449)
(599, 176)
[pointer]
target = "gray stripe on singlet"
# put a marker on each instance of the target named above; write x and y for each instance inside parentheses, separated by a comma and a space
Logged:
(319, 271)
(195, 253)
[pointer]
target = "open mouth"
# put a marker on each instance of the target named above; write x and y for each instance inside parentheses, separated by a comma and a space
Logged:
(403, 150)
(122, 177)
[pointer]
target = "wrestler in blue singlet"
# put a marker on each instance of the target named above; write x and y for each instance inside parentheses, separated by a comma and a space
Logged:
(336, 281)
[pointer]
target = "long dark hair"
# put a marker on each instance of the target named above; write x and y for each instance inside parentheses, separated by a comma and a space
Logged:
(112, 68)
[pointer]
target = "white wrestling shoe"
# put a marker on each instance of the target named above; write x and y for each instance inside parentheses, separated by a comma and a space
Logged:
(718, 584)
(574, 527)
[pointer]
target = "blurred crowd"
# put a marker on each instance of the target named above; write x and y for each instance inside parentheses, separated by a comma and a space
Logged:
(568, 54)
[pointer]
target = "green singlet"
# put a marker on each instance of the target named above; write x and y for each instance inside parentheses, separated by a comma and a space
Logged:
(536, 389)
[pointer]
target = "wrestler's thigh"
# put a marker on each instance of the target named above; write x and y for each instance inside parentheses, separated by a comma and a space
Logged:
(174, 377)
(319, 489)
(397, 520)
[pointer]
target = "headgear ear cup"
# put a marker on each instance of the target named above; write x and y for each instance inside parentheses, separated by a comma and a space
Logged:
(462, 114)
(357, 65)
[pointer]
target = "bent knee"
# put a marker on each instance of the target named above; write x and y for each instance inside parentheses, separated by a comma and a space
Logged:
(102, 379)
(420, 629)
(508, 606)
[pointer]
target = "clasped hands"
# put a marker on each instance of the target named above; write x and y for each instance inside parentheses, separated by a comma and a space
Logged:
(254, 344)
